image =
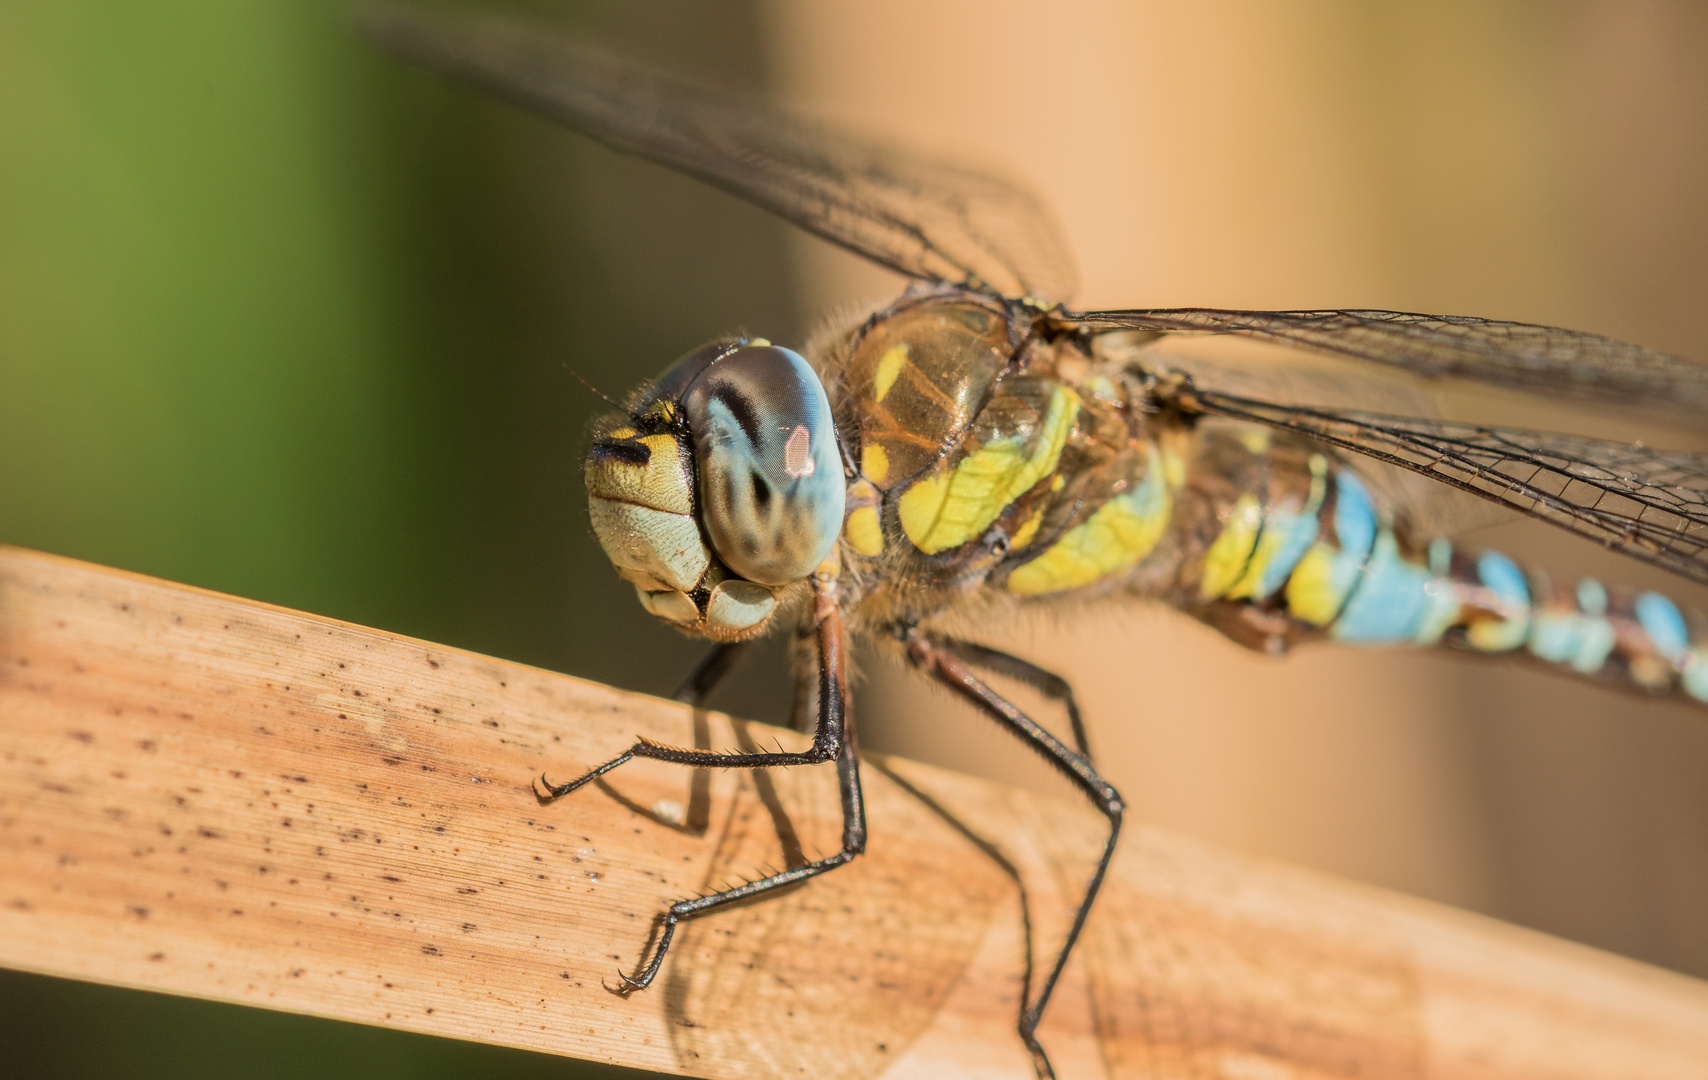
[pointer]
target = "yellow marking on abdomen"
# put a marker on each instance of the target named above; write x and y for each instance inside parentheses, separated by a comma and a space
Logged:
(948, 508)
(1231, 553)
(1316, 588)
(1268, 543)
(1114, 538)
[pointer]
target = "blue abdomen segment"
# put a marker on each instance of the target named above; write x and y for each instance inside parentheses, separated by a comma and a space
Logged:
(1360, 583)
(1398, 600)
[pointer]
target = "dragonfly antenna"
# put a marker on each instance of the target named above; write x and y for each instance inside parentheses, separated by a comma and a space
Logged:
(596, 391)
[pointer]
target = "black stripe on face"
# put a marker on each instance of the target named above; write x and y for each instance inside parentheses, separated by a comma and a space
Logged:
(739, 407)
(623, 451)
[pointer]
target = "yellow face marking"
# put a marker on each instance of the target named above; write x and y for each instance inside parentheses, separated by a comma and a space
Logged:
(874, 463)
(948, 508)
(1057, 482)
(661, 484)
(889, 366)
(1231, 552)
(863, 531)
(1117, 536)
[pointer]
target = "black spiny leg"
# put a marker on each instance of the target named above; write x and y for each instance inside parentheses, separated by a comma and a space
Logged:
(708, 673)
(833, 739)
(938, 660)
(1025, 672)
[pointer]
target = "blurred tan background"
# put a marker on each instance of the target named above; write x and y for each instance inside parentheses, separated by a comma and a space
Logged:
(279, 318)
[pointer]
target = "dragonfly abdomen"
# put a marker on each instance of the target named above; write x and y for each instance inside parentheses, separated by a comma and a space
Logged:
(1338, 567)
(1640, 639)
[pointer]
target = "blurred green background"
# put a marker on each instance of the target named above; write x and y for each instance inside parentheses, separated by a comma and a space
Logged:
(281, 318)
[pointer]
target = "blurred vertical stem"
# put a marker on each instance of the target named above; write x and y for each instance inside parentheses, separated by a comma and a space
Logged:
(282, 318)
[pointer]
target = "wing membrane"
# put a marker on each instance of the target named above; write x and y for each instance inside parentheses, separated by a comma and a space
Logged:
(1650, 504)
(923, 218)
(1539, 359)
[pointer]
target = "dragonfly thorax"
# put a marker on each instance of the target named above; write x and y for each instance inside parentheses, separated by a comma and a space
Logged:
(721, 488)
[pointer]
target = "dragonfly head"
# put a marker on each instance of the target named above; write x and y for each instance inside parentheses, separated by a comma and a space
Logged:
(722, 487)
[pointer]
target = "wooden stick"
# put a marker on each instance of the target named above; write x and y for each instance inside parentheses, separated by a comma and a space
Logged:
(210, 796)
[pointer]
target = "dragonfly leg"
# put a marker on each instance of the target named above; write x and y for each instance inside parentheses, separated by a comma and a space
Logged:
(709, 673)
(944, 665)
(833, 739)
(1025, 672)
(853, 843)
(826, 745)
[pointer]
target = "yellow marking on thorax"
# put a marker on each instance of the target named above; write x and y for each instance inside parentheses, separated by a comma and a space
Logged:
(889, 366)
(862, 528)
(1024, 534)
(1232, 550)
(950, 507)
(863, 531)
(874, 463)
(1103, 388)
(1175, 465)
(1114, 538)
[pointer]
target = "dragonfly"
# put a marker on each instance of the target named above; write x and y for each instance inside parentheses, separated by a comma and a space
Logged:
(976, 448)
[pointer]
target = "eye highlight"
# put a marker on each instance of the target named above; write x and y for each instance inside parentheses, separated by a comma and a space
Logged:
(770, 486)
(797, 453)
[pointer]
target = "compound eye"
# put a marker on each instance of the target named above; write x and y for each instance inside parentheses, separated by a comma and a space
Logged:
(676, 379)
(771, 485)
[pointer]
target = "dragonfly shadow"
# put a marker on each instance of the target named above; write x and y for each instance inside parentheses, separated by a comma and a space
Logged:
(766, 788)
(838, 976)
(691, 819)
(989, 850)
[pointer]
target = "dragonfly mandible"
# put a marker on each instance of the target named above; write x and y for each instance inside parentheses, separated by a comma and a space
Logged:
(976, 448)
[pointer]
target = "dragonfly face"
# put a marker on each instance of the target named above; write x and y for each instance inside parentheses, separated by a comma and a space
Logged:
(721, 489)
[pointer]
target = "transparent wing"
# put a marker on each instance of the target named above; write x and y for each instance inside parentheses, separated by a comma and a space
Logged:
(1429, 508)
(923, 218)
(1539, 359)
(1650, 504)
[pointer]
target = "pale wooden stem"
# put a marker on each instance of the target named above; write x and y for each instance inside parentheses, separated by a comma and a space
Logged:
(209, 796)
